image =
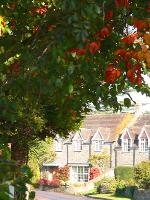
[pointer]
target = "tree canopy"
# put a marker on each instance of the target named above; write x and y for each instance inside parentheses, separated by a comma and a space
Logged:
(58, 57)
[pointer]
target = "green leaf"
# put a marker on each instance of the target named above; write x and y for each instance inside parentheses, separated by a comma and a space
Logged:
(71, 69)
(98, 91)
(58, 83)
(127, 102)
(70, 88)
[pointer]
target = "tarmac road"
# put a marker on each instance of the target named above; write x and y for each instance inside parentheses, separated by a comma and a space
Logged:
(43, 195)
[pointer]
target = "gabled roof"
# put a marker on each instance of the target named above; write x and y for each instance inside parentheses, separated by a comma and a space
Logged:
(87, 134)
(125, 134)
(78, 136)
(111, 126)
(97, 135)
(147, 128)
(143, 134)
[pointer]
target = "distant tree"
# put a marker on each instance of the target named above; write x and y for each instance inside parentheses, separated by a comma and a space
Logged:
(41, 152)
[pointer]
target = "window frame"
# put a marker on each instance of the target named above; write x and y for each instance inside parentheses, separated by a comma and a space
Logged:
(126, 145)
(143, 145)
(98, 145)
(80, 173)
(77, 145)
(58, 145)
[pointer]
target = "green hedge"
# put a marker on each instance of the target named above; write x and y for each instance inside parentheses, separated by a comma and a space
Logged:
(124, 172)
(142, 174)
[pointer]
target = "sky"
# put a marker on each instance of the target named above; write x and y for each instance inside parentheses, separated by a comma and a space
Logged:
(142, 100)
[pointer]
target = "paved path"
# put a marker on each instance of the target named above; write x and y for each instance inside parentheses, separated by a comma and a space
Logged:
(43, 195)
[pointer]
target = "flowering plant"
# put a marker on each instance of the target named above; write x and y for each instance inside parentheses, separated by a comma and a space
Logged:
(43, 182)
(94, 172)
(46, 182)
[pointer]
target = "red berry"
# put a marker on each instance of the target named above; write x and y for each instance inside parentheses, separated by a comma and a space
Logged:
(109, 15)
(94, 47)
(104, 32)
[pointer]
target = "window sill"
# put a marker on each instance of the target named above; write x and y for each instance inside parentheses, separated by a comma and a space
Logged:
(98, 150)
(77, 150)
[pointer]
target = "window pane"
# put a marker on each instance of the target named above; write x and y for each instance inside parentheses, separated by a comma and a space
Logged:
(80, 173)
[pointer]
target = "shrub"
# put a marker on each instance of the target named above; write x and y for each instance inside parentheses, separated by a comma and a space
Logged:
(94, 172)
(125, 188)
(142, 174)
(124, 172)
(62, 173)
(43, 181)
(120, 189)
(106, 185)
(53, 183)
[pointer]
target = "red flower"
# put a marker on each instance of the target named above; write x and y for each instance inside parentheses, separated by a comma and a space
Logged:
(122, 3)
(104, 32)
(109, 15)
(43, 181)
(140, 24)
(81, 52)
(93, 47)
(94, 172)
(111, 74)
(41, 10)
(130, 38)
(120, 52)
(54, 183)
(139, 81)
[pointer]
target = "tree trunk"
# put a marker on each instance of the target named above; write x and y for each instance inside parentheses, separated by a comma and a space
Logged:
(19, 153)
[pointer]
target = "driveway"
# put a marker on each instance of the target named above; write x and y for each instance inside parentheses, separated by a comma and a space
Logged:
(43, 195)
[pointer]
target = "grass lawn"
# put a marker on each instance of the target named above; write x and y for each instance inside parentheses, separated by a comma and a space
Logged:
(108, 196)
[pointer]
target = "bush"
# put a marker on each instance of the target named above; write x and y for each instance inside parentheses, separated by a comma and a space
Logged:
(62, 173)
(94, 173)
(124, 172)
(53, 183)
(142, 174)
(10, 174)
(106, 185)
(120, 189)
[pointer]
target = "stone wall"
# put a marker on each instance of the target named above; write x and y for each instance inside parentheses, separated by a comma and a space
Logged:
(141, 194)
(130, 158)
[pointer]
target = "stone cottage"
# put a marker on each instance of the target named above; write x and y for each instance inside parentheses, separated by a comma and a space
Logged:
(125, 137)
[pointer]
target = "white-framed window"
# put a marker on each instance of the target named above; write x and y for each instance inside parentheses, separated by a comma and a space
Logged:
(143, 144)
(98, 145)
(80, 173)
(126, 144)
(58, 145)
(78, 145)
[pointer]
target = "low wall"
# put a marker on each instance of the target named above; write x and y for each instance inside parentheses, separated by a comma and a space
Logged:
(140, 194)
(80, 188)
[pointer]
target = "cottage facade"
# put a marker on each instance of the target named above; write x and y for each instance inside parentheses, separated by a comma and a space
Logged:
(125, 137)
